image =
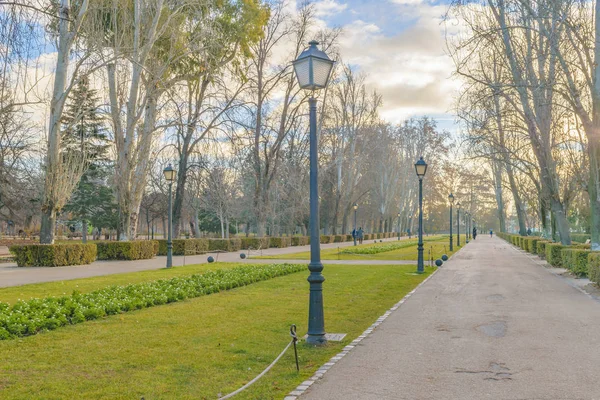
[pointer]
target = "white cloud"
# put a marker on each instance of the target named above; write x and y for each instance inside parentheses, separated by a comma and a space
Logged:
(410, 69)
(328, 7)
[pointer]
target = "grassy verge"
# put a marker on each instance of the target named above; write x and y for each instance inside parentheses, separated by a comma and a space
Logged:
(201, 347)
(437, 244)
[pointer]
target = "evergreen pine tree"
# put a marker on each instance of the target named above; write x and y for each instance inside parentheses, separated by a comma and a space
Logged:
(84, 131)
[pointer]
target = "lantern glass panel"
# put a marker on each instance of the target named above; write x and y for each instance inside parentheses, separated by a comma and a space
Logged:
(302, 68)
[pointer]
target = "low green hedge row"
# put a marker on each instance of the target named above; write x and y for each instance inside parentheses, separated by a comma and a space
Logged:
(580, 237)
(577, 258)
(27, 318)
(224, 244)
(183, 247)
(280, 242)
(53, 255)
(379, 248)
(132, 250)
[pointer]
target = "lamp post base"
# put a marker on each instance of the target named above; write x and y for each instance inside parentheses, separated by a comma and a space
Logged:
(316, 340)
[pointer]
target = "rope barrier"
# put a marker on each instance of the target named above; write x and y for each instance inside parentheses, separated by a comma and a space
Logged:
(247, 385)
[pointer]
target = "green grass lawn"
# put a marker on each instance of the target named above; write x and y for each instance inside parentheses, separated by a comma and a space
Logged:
(437, 244)
(201, 347)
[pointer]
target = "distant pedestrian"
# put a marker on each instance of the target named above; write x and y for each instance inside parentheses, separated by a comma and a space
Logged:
(529, 232)
(474, 233)
(360, 234)
(491, 233)
(354, 233)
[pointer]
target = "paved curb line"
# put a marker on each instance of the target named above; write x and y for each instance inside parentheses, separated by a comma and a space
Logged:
(300, 389)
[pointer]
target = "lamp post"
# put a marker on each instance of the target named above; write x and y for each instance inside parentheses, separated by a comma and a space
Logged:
(458, 224)
(398, 226)
(420, 168)
(355, 206)
(467, 227)
(313, 68)
(451, 199)
(169, 174)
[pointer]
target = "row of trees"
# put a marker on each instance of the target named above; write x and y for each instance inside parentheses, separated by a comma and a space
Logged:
(531, 105)
(207, 86)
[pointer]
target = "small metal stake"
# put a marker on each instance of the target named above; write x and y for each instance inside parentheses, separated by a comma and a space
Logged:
(295, 339)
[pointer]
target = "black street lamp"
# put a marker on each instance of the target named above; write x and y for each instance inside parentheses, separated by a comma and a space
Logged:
(451, 199)
(420, 168)
(170, 174)
(313, 68)
(398, 226)
(458, 224)
(355, 206)
(467, 226)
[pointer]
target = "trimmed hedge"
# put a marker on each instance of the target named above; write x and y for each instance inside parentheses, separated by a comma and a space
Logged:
(338, 238)
(300, 240)
(576, 260)
(254, 243)
(280, 242)
(54, 255)
(326, 239)
(540, 247)
(183, 247)
(594, 266)
(27, 318)
(233, 244)
(554, 254)
(131, 250)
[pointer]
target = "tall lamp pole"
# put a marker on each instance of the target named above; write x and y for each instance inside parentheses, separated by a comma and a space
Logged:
(313, 68)
(451, 199)
(458, 224)
(170, 174)
(355, 206)
(398, 226)
(466, 218)
(420, 168)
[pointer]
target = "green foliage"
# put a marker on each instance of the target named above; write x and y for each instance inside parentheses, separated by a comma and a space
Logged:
(233, 244)
(580, 237)
(576, 260)
(280, 242)
(184, 247)
(132, 250)
(254, 243)
(594, 266)
(338, 238)
(53, 255)
(300, 240)
(540, 247)
(554, 254)
(27, 318)
(326, 239)
(380, 248)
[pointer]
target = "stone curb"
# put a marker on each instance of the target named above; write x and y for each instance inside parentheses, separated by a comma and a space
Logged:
(300, 389)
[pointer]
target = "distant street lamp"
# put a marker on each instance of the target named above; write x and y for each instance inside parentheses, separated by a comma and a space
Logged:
(451, 200)
(313, 68)
(170, 174)
(458, 224)
(355, 206)
(398, 226)
(420, 168)
(467, 227)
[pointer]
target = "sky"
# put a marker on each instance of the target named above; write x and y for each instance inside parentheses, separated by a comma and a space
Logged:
(400, 45)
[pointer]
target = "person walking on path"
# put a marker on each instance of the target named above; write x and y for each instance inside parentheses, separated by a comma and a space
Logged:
(491, 233)
(474, 233)
(360, 234)
(354, 234)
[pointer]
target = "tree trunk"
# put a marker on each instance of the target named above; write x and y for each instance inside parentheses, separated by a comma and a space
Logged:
(84, 230)
(499, 199)
(48, 226)
(196, 225)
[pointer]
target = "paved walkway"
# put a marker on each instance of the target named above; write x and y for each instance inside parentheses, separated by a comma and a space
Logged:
(11, 275)
(490, 324)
